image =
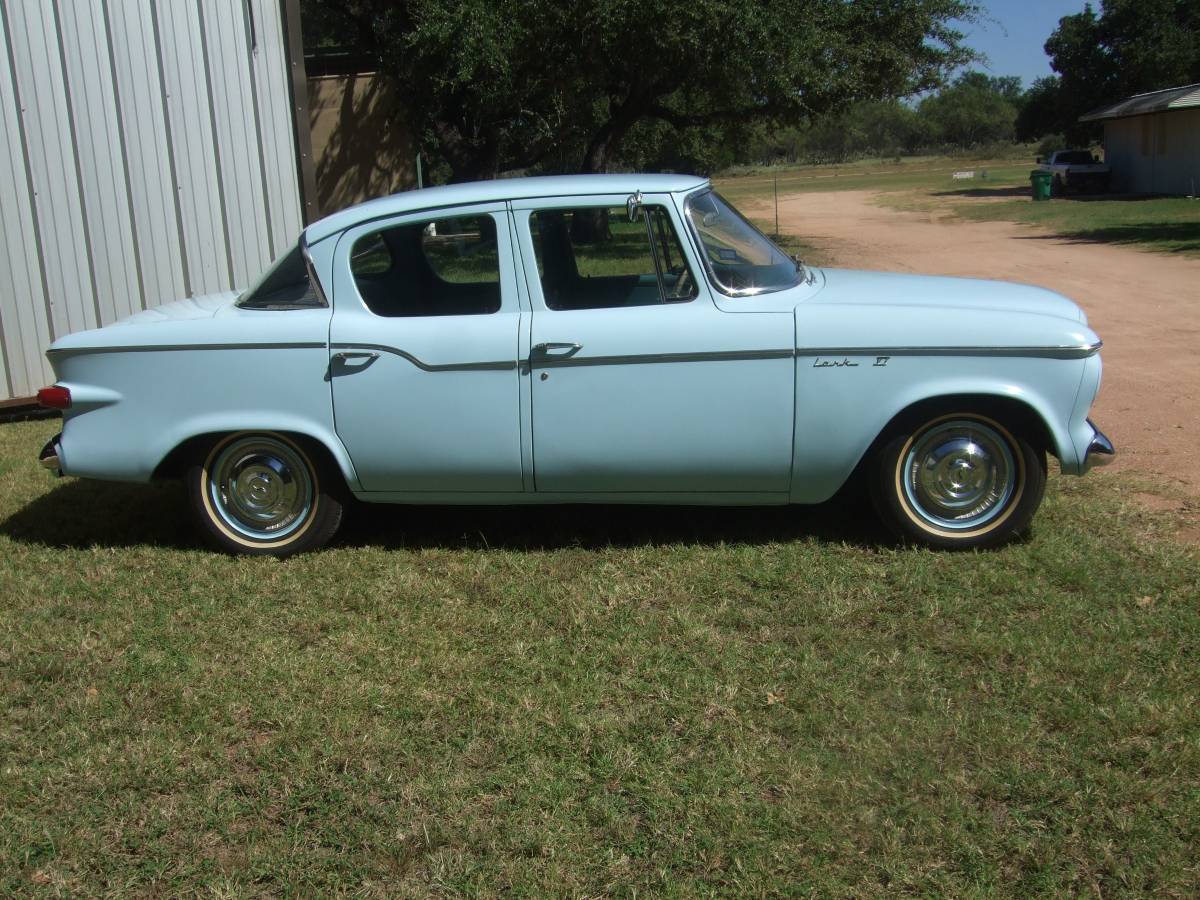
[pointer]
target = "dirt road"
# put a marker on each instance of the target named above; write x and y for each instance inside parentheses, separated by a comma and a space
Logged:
(1145, 306)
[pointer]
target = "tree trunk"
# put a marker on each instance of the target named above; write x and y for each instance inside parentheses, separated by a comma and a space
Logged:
(590, 226)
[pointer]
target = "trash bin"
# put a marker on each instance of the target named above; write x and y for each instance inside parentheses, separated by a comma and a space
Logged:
(1041, 182)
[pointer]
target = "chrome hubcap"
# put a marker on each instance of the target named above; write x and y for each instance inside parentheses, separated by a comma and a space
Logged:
(261, 488)
(959, 474)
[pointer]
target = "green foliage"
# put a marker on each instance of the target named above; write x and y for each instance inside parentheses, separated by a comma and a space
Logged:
(1041, 110)
(1050, 143)
(1131, 47)
(975, 110)
(496, 86)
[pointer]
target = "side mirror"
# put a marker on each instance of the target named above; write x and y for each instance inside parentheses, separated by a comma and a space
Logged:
(633, 206)
(1037, 159)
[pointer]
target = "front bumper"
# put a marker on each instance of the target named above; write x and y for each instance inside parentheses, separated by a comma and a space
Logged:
(49, 457)
(1100, 450)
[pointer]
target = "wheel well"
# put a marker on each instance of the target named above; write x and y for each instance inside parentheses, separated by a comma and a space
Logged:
(1015, 415)
(175, 464)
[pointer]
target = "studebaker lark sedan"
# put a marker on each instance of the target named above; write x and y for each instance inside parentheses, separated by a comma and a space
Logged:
(580, 339)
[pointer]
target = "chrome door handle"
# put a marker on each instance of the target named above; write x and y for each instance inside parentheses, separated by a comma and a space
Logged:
(356, 354)
(557, 345)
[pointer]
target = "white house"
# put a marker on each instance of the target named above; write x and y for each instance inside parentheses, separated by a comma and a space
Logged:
(1152, 141)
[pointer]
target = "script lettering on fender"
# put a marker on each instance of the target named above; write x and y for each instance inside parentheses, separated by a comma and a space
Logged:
(845, 362)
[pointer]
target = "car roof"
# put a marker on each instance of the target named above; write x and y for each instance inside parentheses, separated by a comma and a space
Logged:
(495, 191)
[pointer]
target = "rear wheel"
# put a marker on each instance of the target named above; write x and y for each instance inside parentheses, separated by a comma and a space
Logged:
(958, 481)
(263, 494)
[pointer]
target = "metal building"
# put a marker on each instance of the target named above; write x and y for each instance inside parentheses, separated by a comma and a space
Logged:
(149, 152)
(1152, 141)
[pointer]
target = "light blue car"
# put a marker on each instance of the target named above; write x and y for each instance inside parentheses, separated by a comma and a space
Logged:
(580, 339)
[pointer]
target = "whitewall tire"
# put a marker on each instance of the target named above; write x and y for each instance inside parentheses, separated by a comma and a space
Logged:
(264, 494)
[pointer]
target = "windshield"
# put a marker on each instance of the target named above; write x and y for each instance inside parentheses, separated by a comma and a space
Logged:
(287, 285)
(1075, 158)
(740, 258)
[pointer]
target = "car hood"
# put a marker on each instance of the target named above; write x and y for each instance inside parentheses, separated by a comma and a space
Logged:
(858, 288)
(204, 306)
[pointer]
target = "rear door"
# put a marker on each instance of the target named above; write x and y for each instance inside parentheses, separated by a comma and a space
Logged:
(423, 352)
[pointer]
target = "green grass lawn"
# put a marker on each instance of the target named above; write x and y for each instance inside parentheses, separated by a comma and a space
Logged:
(1168, 224)
(577, 701)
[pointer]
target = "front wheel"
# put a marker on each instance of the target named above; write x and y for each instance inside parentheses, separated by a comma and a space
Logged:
(959, 481)
(263, 495)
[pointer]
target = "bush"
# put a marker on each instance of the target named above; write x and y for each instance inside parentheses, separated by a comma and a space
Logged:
(1050, 143)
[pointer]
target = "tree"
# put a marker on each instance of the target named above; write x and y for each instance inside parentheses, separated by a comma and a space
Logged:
(1133, 46)
(493, 86)
(1041, 109)
(976, 109)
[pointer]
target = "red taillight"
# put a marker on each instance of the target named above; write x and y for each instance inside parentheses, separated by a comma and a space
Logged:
(56, 397)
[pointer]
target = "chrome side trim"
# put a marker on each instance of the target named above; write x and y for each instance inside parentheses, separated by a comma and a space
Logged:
(497, 366)
(1080, 351)
(556, 362)
(166, 348)
(654, 358)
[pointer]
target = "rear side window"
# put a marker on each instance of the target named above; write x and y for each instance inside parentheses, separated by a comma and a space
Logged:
(287, 285)
(435, 267)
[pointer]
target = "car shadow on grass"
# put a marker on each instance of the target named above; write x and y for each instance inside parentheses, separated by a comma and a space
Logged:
(82, 514)
(846, 519)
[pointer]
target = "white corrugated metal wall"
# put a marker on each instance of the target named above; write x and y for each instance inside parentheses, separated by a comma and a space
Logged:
(148, 153)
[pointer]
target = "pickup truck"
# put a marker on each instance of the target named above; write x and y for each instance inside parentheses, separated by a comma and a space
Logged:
(1076, 171)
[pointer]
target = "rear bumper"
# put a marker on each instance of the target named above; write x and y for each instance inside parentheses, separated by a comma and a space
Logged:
(50, 455)
(1100, 450)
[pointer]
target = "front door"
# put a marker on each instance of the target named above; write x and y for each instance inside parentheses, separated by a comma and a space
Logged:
(423, 353)
(640, 384)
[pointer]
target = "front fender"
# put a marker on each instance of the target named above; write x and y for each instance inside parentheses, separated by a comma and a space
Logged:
(840, 411)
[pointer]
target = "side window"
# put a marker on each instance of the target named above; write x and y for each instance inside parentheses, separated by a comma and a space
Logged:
(595, 258)
(437, 267)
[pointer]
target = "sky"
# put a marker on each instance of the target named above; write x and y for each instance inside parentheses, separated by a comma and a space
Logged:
(1012, 33)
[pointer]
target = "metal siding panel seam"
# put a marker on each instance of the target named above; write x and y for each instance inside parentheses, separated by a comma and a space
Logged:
(96, 128)
(219, 162)
(138, 299)
(192, 146)
(175, 187)
(275, 113)
(52, 172)
(252, 79)
(146, 143)
(84, 225)
(24, 314)
(227, 43)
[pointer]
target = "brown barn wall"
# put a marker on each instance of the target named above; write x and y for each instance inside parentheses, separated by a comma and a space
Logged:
(361, 147)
